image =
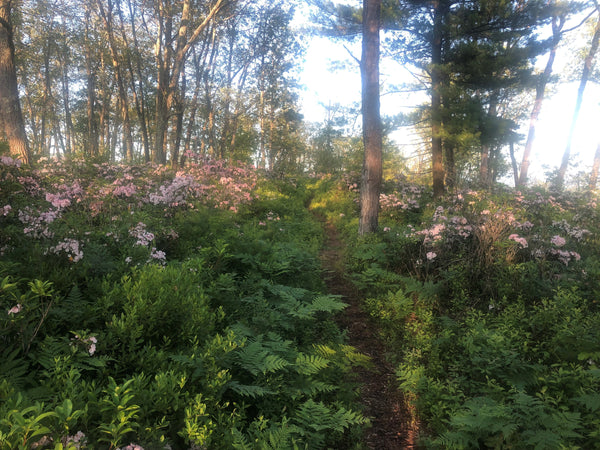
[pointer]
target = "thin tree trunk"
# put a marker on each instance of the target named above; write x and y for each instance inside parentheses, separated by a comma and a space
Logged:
(178, 130)
(450, 169)
(587, 69)
(12, 124)
(557, 25)
(484, 168)
(92, 144)
(170, 63)
(372, 131)
(107, 19)
(437, 156)
(513, 161)
(595, 168)
(67, 106)
(46, 101)
(140, 101)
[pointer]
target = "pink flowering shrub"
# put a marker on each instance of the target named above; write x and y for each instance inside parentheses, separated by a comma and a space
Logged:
(405, 197)
(70, 247)
(519, 240)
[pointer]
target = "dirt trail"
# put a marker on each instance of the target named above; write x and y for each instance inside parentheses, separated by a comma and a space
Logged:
(392, 426)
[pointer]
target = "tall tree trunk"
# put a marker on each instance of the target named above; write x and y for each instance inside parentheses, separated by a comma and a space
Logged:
(437, 155)
(107, 19)
(513, 161)
(12, 124)
(179, 107)
(92, 144)
(484, 168)
(67, 106)
(372, 131)
(42, 148)
(139, 99)
(170, 63)
(595, 168)
(585, 74)
(450, 168)
(226, 130)
(557, 25)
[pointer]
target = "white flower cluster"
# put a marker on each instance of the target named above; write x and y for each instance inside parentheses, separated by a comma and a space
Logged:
(70, 247)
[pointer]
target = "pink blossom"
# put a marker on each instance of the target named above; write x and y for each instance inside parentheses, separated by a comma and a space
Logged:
(77, 440)
(70, 247)
(519, 240)
(57, 201)
(431, 256)
(386, 229)
(5, 210)
(133, 447)
(15, 309)
(558, 241)
(127, 190)
(158, 255)
(8, 161)
(143, 237)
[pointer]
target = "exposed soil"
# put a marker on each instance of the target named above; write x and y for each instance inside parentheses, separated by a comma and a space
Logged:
(392, 423)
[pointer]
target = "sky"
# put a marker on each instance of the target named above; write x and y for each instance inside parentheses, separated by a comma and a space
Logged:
(324, 85)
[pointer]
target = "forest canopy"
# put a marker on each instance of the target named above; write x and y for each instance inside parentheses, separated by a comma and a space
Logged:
(131, 80)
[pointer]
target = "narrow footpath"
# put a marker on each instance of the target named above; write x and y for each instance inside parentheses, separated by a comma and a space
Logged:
(392, 426)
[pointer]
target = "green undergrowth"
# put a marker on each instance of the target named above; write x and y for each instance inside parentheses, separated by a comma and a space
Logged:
(488, 306)
(175, 327)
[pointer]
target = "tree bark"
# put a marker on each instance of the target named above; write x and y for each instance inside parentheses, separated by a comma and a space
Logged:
(372, 130)
(437, 152)
(484, 169)
(139, 100)
(12, 124)
(587, 69)
(170, 63)
(595, 168)
(557, 25)
(107, 19)
(450, 168)
(92, 138)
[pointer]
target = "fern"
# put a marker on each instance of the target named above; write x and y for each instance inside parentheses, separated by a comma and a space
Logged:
(14, 369)
(318, 421)
(308, 387)
(256, 358)
(263, 436)
(328, 303)
(590, 401)
(310, 364)
(250, 390)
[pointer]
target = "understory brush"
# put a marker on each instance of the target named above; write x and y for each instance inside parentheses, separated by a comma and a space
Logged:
(488, 307)
(146, 308)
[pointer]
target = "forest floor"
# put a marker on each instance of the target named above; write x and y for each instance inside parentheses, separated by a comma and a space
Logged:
(392, 424)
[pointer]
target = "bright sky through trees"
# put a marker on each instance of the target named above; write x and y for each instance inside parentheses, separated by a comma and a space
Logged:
(330, 77)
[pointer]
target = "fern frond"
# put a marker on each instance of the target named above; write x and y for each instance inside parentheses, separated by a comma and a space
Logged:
(328, 303)
(274, 363)
(13, 368)
(590, 401)
(310, 364)
(319, 417)
(250, 390)
(309, 388)
(255, 358)
(324, 350)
